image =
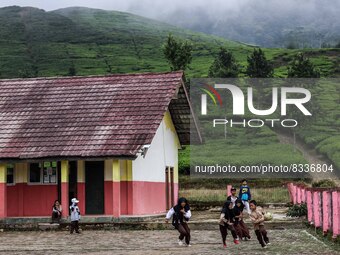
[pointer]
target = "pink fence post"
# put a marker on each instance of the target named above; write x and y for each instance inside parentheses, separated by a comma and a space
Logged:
(294, 193)
(317, 208)
(336, 213)
(310, 206)
(229, 190)
(326, 211)
(303, 195)
(289, 187)
(298, 194)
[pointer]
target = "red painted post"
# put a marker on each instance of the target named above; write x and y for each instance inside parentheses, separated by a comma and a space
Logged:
(229, 190)
(326, 211)
(310, 206)
(3, 190)
(336, 213)
(317, 208)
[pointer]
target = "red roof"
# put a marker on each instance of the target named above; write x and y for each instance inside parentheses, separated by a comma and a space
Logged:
(95, 116)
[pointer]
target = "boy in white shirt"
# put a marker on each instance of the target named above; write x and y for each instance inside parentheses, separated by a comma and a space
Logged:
(75, 216)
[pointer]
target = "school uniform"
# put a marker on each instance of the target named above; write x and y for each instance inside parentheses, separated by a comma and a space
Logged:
(240, 227)
(257, 218)
(227, 221)
(180, 219)
(232, 199)
(56, 213)
(75, 216)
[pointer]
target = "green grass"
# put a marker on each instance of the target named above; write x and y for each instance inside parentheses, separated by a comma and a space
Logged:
(102, 42)
(218, 197)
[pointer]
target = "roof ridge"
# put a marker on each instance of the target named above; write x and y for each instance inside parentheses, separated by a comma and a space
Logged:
(93, 76)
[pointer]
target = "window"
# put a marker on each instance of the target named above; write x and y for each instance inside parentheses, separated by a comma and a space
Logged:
(35, 170)
(10, 174)
(45, 172)
(50, 172)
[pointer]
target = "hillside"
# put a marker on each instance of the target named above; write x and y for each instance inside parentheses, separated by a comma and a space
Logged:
(86, 41)
(38, 43)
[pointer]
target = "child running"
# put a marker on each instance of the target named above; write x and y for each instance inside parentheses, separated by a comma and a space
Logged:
(257, 219)
(240, 227)
(233, 196)
(181, 214)
(245, 195)
(227, 219)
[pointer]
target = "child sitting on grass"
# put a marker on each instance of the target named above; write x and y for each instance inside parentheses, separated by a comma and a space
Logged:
(257, 218)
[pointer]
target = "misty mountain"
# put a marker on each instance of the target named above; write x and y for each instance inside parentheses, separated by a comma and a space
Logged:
(291, 23)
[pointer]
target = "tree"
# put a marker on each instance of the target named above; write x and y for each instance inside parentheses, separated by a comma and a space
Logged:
(258, 65)
(177, 53)
(72, 71)
(302, 67)
(224, 65)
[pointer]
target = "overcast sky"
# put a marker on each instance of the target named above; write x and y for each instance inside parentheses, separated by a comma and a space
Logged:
(147, 7)
(214, 9)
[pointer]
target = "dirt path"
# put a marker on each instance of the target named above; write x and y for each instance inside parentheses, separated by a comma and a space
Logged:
(162, 242)
(311, 156)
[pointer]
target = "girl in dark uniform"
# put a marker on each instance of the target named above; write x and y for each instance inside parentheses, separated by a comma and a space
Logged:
(181, 214)
(227, 221)
(240, 227)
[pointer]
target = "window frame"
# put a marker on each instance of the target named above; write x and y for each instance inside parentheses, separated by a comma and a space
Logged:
(12, 183)
(41, 182)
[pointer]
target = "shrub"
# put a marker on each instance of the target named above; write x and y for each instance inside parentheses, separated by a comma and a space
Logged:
(324, 184)
(297, 210)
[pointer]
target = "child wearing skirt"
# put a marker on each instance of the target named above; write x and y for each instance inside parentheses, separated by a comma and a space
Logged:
(240, 227)
(227, 220)
(181, 214)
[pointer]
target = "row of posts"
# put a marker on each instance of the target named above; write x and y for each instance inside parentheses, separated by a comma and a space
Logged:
(323, 206)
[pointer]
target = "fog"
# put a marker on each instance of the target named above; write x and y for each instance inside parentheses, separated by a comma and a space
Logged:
(260, 22)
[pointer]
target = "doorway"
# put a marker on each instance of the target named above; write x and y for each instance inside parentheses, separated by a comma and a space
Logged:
(94, 187)
(72, 184)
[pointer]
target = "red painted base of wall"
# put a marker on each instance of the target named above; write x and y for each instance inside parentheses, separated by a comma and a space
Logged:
(30, 200)
(141, 198)
(3, 205)
(124, 198)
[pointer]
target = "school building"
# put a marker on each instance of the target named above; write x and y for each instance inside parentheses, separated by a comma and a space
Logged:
(111, 141)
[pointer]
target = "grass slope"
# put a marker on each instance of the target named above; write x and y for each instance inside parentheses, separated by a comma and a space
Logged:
(38, 43)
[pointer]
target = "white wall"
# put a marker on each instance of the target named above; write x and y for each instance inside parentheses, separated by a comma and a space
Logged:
(163, 152)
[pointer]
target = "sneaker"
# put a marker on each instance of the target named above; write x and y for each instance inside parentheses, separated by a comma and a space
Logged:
(189, 245)
(180, 242)
(268, 243)
(264, 247)
(236, 241)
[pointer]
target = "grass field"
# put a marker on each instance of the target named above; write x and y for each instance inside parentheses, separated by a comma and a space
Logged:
(218, 196)
(38, 43)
